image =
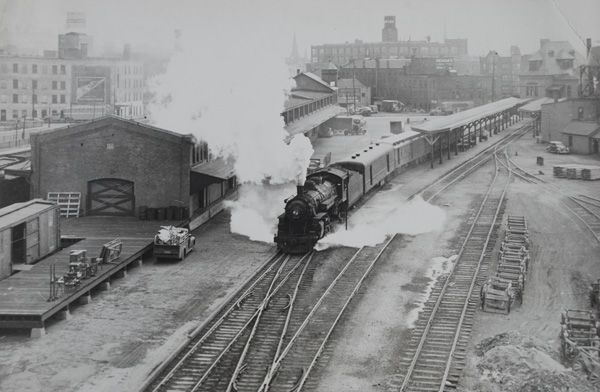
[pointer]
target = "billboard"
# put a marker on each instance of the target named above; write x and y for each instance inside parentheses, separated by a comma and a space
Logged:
(91, 85)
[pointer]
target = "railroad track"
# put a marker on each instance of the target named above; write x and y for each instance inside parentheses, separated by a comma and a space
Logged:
(587, 209)
(436, 353)
(274, 338)
(195, 361)
(432, 190)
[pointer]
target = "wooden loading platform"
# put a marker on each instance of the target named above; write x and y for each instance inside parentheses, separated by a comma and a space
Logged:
(25, 301)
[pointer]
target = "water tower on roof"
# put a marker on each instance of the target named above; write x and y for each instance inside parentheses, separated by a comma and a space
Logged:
(389, 32)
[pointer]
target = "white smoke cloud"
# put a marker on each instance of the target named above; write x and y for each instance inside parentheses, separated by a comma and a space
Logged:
(227, 86)
(384, 215)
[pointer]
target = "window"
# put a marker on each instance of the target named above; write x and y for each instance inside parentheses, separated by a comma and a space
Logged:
(62, 99)
(54, 99)
(34, 68)
(24, 113)
(570, 141)
(15, 83)
(15, 114)
(44, 113)
(15, 68)
(580, 113)
(535, 65)
(54, 85)
(63, 69)
(15, 98)
(34, 84)
(34, 99)
(34, 113)
(54, 69)
(63, 85)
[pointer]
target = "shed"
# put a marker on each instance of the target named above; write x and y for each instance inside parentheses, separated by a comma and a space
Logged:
(28, 232)
(579, 136)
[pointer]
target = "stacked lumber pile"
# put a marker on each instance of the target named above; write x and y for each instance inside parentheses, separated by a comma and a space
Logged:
(577, 172)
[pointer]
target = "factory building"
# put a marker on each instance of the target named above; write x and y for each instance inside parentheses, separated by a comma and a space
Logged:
(114, 166)
(69, 84)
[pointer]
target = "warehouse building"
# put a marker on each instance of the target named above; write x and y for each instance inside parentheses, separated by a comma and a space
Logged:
(113, 166)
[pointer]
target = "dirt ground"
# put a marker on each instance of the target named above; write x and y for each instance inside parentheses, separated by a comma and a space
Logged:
(566, 259)
(112, 343)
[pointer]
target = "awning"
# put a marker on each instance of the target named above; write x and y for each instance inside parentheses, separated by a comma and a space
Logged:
(314, 119)
(445, 123)
(219, 169)
(536, 106)
(581, 128)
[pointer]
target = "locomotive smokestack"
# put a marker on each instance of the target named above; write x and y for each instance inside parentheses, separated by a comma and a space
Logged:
(300, 189)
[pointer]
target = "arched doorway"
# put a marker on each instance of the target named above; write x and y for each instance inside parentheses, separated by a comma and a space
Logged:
(110, 196)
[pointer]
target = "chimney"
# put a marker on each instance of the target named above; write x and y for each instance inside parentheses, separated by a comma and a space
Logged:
(588, 46)
(297, 71)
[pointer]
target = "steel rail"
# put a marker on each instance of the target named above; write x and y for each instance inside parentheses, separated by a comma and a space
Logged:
(474, 279)
(307, 371)
(257, 319)
(268, 377)
(190, 351)
(484, 158)
(413, 363)
(275, 259)
(312, 311)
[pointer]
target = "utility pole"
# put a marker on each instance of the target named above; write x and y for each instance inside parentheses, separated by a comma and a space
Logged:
(353, 88)
(494, 54)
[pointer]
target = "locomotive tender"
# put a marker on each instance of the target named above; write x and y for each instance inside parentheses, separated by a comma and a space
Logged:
(329, 193)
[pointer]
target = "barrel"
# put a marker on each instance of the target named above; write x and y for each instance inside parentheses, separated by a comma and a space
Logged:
(160, 214)
(151, 213)
(540, 161)
(143, 212)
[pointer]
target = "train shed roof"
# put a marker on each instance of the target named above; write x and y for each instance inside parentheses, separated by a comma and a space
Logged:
(446, 123)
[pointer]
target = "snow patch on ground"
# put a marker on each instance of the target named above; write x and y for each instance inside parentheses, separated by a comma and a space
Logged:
(439, 266)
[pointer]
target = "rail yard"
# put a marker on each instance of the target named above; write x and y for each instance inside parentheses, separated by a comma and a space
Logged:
(187, 205)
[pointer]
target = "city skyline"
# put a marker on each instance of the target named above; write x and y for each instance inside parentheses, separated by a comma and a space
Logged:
(152, 28)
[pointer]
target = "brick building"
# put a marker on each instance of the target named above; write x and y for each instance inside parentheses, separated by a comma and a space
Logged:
(390, 47)
(119, 165)
(73, 85)
(505, 72)
(574, 121)
(552, 71)
(418, 83)
(353, 93)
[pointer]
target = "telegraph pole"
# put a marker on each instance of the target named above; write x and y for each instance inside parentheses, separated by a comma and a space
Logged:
(353, 88)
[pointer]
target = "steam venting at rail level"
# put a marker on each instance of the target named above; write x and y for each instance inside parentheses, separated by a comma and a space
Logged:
(235, 106)
(386, 213)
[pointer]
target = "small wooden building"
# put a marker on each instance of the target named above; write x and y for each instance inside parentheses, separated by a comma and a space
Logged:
(28, 232)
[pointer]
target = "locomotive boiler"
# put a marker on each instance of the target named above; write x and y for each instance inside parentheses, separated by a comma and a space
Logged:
(309, 215)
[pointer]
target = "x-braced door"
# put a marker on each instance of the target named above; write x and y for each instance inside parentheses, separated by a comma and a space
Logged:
(110, 196)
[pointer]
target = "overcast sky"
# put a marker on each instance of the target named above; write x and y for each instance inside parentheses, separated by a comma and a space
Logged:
(487, 24)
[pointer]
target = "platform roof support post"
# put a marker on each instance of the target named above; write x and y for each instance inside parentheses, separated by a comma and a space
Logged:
(448, 142)
(475, 130)
(441, 142)
(431, 140)
(456, 133)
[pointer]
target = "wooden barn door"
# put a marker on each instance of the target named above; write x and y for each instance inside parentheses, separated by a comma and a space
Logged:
(110, 196)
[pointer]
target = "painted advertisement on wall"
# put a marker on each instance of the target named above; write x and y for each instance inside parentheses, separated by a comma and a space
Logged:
(91, 85)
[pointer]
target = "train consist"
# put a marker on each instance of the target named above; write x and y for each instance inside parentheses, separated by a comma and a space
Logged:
(329, 193)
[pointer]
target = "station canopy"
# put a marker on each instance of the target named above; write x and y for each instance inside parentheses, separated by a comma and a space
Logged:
(536, 105)
(446, 123)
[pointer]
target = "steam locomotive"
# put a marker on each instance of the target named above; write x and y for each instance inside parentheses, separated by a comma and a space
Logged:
(329, 193)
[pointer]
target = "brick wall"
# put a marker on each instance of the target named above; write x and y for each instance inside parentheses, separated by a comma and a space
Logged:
(158, 164)
(556, 116)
